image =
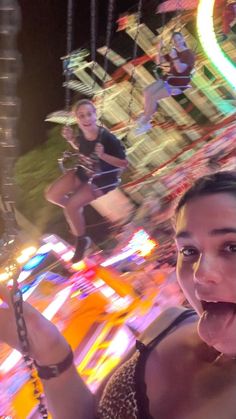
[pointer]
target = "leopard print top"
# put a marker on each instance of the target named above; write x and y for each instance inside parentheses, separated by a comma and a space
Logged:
(125, 395)
(119, 398)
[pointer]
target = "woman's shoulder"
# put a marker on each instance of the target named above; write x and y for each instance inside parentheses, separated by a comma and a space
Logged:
(162, 322)
(107, 135)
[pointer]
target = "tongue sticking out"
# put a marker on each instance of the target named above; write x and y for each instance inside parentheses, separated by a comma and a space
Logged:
(215, 318)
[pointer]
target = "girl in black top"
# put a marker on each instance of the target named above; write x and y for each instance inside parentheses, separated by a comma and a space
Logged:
(99, 151)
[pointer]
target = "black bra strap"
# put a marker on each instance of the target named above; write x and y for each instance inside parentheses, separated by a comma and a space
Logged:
(140, 386)
(183, 316)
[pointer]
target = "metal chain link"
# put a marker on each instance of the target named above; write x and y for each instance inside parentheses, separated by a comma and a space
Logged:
(17, 301)
(178, 26)
(135, 50)
(93, 24)
(111, 7)
(68, 51)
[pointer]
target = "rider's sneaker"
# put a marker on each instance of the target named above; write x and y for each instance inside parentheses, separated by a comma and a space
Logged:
(82, 245)
(142, 128)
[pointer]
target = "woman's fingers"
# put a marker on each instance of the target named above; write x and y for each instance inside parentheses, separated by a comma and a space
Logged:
(67, 133)
(5, 294)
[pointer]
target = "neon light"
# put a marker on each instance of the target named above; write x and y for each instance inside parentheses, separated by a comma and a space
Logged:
(119, 343)
(45, 248)
(117, 258)
(79, 266)
(25, 254)
(10, 362)
(4, 276)
(49, 313)
(205, 27)
(67, 256)
(148, 247)
(23, 276)
(34, 262)
(57, 303)
(59, 247)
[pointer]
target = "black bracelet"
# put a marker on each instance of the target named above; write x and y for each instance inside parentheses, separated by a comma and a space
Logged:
(54, 370)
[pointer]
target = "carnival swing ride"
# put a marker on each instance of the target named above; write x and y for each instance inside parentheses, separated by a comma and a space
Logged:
(190, 134)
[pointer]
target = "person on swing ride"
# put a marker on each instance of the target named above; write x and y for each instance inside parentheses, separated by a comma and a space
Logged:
(99, 151)
(181, 63)
(185, 367)
(228, 17)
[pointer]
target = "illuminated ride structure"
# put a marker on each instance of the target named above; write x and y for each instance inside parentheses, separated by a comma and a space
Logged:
(98, 309)
(182, 124)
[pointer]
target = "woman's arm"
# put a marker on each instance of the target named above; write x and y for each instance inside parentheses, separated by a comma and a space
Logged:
(160, 58)
(68, 133)
(178, 65)
(67, 395)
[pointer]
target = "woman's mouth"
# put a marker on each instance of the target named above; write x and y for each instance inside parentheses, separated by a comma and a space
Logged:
(217, 305)
(216, 320)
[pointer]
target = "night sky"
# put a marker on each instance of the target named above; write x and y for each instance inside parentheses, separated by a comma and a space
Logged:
(42, 41)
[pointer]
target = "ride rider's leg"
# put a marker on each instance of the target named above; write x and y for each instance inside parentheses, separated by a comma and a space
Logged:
(58, 192)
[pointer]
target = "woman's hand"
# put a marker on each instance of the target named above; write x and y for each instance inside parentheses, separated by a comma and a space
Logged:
(68, 133)
(173, 54)
(99, 150)
(160, 46)
(67, 395)
(47, 345)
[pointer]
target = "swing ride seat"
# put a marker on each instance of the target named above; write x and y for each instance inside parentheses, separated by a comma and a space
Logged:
(114, 205)
(183, 87)
(92, 178)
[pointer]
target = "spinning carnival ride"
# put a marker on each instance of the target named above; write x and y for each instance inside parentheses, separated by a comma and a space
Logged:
(188, 131)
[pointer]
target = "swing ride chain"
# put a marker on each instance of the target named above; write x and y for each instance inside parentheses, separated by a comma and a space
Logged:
(93, 39)
(135, 50)
(108, 34)
(68, 51)
(17, 302)
(111, 7)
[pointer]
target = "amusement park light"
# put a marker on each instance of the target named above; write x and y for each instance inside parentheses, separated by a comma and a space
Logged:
(25, 254)
(207, 36)
(4, 276)
(50, 311)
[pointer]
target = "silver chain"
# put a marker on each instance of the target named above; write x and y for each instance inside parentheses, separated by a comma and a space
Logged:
(135, 50)
(17, 301)
(93, 38)
(68, 51)
(111, 7)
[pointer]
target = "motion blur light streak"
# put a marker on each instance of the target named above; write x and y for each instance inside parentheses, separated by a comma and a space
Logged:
(207, 36)
(34, 262)
(49, 313)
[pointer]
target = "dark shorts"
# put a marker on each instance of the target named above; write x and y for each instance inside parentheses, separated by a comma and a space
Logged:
(105, 183)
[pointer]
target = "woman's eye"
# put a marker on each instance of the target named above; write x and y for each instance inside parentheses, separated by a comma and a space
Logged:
(230, 248)
(188, 251)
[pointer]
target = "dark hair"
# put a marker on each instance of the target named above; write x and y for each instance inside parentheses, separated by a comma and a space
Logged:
(220, 182)
(178, 33)
(82, 102)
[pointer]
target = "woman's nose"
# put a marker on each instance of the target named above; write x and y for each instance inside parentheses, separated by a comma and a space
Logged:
(205, 270)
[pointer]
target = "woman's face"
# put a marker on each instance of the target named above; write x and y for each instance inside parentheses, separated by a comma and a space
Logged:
(178, 41)
(206, 266)
(86, 117)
